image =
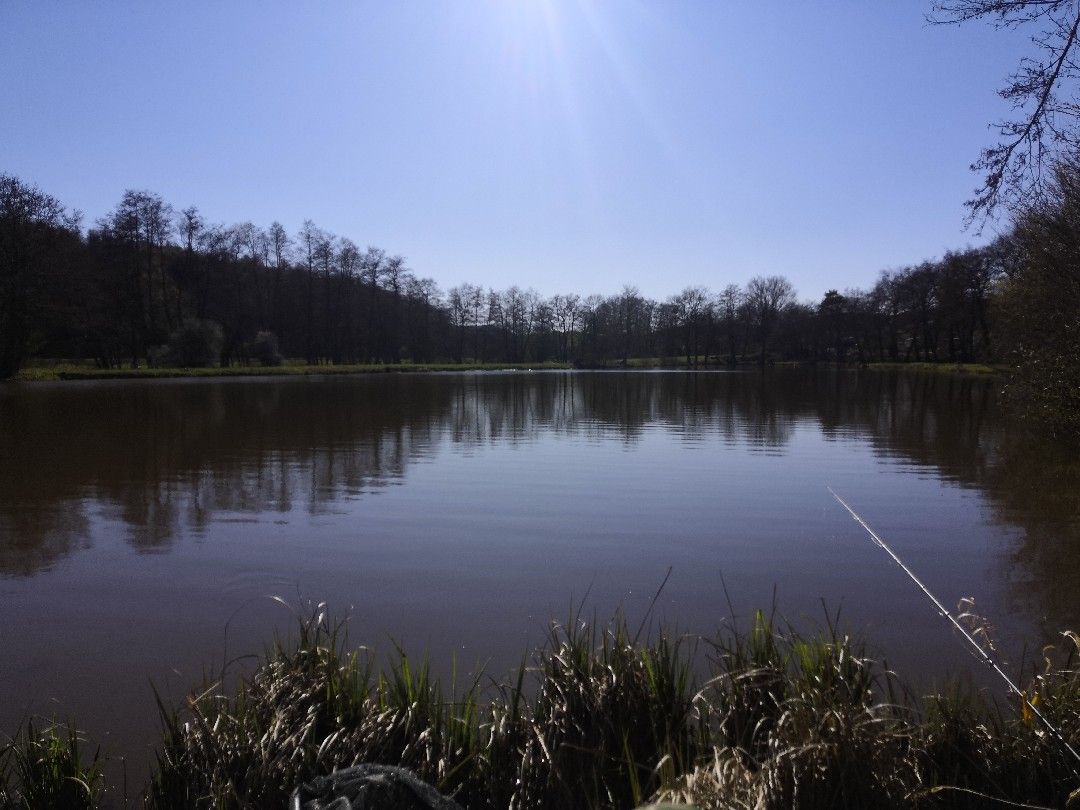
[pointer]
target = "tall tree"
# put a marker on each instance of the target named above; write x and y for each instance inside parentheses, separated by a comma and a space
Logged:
(767, 297)
(728, 303)
(33, 228)
(833, 310)
(310, 238)
(1041, 302)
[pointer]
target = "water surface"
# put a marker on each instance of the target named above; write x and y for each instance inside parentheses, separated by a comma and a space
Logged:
(143, 524)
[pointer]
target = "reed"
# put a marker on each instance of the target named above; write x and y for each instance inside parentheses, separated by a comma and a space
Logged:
(48, 767)
(599, 717)
(580, 725)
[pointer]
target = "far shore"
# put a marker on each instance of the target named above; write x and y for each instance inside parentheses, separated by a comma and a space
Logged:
(76, 371)
(52, 371)
(944, 368)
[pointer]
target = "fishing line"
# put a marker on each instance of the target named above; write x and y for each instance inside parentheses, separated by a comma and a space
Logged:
(983, 654)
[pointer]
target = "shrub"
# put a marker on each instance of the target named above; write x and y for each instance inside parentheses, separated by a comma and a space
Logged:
(264, 349)
(1041, 305)
(196, 344)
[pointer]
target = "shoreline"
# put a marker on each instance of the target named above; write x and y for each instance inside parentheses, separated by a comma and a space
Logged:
(62, 371)
(65, 371)
(978, 369)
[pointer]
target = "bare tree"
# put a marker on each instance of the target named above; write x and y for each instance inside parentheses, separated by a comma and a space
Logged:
(768, 297)
(458, 308)
(477, 302)
(190, 223)
(348, 262)
(693, 309)
(565, 310)
(310, 238)
(280, 247)
(728, 303)
(1043, 94)
(630, 306)
(393, 274)
(423, 298)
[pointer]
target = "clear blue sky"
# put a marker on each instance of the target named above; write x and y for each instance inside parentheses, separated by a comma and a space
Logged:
(566, 145)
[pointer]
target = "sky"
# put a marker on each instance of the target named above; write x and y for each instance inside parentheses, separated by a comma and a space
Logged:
(564, 145)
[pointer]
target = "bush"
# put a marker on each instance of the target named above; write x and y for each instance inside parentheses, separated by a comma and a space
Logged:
(1041, 305)
(264, 349)
(196, 344)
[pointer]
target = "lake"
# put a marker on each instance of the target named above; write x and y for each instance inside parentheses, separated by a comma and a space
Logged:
(144, 525)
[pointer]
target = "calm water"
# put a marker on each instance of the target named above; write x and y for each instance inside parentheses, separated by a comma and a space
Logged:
(458, 513)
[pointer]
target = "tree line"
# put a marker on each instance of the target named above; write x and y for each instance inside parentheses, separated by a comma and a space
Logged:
(149, 284)
(130, 284)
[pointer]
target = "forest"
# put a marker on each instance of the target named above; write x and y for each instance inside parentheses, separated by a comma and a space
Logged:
(150, 285)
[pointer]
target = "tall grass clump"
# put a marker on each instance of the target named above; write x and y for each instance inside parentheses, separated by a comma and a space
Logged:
(309, 708)
(969, 745)
(604, 718)
(48, 767)
(585, 724)
(801, 722)
(816, 723)
(600, 717)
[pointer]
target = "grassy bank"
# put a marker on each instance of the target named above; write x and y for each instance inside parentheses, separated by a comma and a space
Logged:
(75, 371)
(749, 364)
(46, 372)
(943, 368)
(601, 717)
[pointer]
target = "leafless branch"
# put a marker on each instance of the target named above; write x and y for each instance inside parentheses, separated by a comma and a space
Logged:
(1044, 126)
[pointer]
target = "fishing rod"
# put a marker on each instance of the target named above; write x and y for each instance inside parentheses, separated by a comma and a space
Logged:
(983, 654)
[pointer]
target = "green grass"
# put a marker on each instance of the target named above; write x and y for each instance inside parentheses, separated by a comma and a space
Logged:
(675, 362)
(49, 768)
(946, 368)
(79, 371)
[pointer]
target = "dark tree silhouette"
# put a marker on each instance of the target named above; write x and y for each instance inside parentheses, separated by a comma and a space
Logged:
(767, 299)
(34, 230)
(148, 285)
